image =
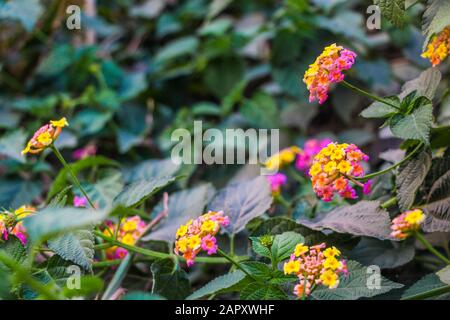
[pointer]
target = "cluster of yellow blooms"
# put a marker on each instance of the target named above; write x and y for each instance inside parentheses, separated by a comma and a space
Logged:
(199, 234)
(45, 136)
(438, 48)
(315, 267)
(11, 223)
(282, 158)
(407, 223)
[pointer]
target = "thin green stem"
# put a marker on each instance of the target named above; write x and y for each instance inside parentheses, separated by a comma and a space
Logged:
(395, 165)
(235, 263)
(389, 203)
(72, 174)
(232, 245)
(367, 94)
(430, 248)
(155, 254)
(429, 294)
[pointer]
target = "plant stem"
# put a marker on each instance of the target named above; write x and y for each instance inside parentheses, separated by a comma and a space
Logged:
(156, 254)
(430, 248)
(235, 263)
(395, 165)
(281, 200)
(429, 294)
(74, 177)
(367, 94)
(389, 203)
(232, 245)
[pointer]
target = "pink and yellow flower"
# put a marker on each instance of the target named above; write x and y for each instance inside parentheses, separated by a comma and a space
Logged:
(326, 70)
(407, 223)
(45, 136)
(314, 266)
(438, 48)
(11, 223)
(282, 158)
(276, 181)
(310, 149)
(130, 230)
(199, 234)
(88, 151)
(335, 168)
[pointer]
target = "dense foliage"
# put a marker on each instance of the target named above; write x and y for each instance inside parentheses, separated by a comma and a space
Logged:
(93, 205)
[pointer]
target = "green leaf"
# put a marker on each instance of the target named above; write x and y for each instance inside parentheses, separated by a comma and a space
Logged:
(137, 192)
(242, 202)
(435, 18)
(150, 169)
(76, 246)
(393, 10)
(52, 221)
(177, 48)
(410, 177)
(17, 192)
(414, 126)
(385, 254)
(261, 111)
(444, 275)
(103, 192)
(216, 7)
(88, 285)
(11, 145)
(222, 74)
(262, 291)
(356, 285)
(63, 176)
(13, 247)
(141, 295)
(284, 244)
(427, 283)
(381, 110)
(364, 218)
(424, 85)
(218, 284)
(438, 197)
(183, 205)
(169, 281)
(259, 248)
(259, 270)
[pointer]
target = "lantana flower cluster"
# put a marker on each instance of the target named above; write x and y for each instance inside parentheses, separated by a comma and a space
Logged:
(199, 234)
(310, 149)
(326, 70)
(276, 181)
(11, 223)
(407, 223)
(45, 136)
(130, 230)
(315, 265)
(334, 169)
(282, 158)
(438, 48)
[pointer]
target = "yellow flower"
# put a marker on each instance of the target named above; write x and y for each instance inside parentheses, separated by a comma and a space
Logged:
(415, 217)
(209, 226)
(331, 263)
(194, 242)
(129, 226)
(182, 244)
(330, 167)
(344, 167)
(329, 279)
(45, 139)
(128, 239)
(300, 249)
(61, 123)
(316, 168)
(337, 154)
(292, 266)
(331, 252)
(181, 231)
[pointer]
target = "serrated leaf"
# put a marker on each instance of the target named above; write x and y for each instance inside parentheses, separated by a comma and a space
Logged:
(150, 169)
(393, 10)
(433, 224)
(385, 254)
(438, 198)
(259, 270)
(425, 84)
(220, 283)
(76, 246)
(169, 281)
(243, 201)
(14, 249)
(52, 221)
(284, 244)
(364, 218)
(427, 283)
(357, 284)
(259, 248)
(261, 291)
(410, 177)
(104, 190)
(435, 18)
(137, 192)
(381, 110)
(183, 205)
(414, 126)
